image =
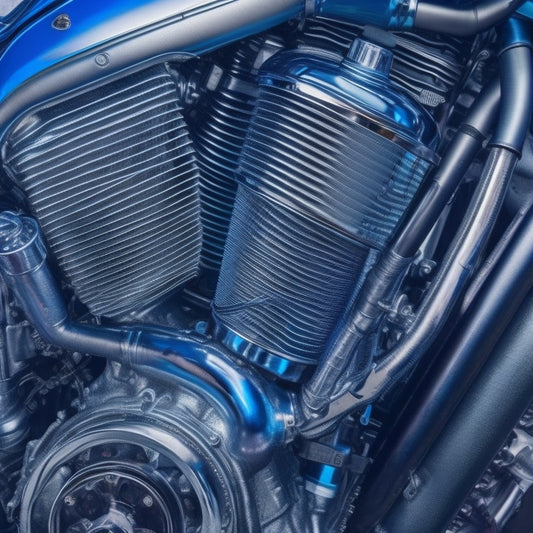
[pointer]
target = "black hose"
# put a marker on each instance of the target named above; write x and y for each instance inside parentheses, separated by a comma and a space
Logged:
(499, 299)
(475, 433)
(449, 174)
(516, 85)
(464, 21)
(431, 407)
(358, 321)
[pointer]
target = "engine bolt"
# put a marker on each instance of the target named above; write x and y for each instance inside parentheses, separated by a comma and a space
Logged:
(102, 60)
(148, 501)
(214, 440)
(70, 500)
(62, 22)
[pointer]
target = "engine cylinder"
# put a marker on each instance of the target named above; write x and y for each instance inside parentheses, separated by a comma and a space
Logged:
(112, 179)
(218, 134)
(333, 157)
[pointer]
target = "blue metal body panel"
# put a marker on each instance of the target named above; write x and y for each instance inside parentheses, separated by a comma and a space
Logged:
(40, 46)
(104, 38)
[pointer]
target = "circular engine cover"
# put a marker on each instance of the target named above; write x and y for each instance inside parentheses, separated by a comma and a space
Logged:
(140, 457)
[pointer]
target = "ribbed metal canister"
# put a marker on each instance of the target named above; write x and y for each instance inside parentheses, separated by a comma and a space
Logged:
(112, 178)
(333, 157)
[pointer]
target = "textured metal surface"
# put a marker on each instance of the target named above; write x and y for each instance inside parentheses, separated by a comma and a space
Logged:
(248, 397)
(137, 432)
(285, 278)
(319, 191)
(218, 153)
(219, 135)
(428, 66)
(317, 159)
(113, 30)
(112, 178)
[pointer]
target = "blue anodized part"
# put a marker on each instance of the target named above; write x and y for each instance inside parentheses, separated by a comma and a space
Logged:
(275, 364)
(392, 14)
(324, 479)
(78, 43)
(19, 15)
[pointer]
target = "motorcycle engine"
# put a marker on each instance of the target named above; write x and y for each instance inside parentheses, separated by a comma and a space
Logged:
(203, 224)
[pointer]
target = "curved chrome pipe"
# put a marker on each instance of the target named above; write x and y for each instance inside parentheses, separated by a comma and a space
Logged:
(463, 21)
(264, 415)
(423, 15)
(516, 62)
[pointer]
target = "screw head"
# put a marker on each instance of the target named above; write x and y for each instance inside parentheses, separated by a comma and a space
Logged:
(101, 60)
(214, 439)
(62, 22)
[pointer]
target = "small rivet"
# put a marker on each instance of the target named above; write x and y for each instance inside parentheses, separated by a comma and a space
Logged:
(148, 501)
(102, 60)
(214, 440)
(62, 22)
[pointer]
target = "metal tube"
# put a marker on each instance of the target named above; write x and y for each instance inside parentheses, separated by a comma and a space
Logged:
(23, 264)
(464, 21)
(430, 408)
(406, 14)
(515, 67)
(449, 174)
(358, 321)
(449, 282)
(516, 62)
(474, 434)
(455, 271)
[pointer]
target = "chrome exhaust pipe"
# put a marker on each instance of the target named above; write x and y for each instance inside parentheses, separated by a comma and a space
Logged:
(262, 413)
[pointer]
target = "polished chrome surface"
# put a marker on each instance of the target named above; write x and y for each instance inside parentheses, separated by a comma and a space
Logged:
(310, 215)
(248, 402)
(145, 456)
(113, 179)
(359, 92)
(224, 282)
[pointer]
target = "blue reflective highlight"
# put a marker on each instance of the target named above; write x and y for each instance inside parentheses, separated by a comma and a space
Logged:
(275, 364)
(391, 14)
(20, 15)
(323, 478)
(514, 32)
(327, 476)
(130, 33)
(365, 417)
(365, 89)
(205, 361)
(92, 23)
(526, 10)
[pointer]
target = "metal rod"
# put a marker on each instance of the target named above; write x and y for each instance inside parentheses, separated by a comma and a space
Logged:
(442, 389)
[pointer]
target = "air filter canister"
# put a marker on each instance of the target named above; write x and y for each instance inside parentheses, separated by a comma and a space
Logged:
(333, 157)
